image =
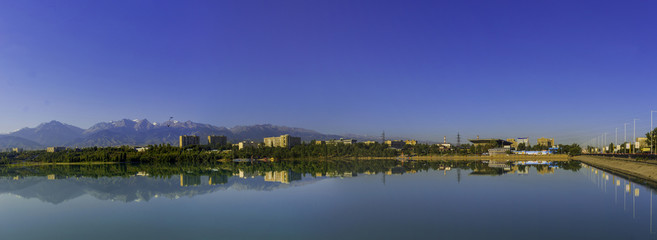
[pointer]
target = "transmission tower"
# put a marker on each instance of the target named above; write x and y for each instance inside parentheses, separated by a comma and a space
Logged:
(458, 139)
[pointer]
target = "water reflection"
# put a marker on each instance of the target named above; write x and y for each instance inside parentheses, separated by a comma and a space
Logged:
(640, 191)
(282, 176)
(326, 199)
(498, 167)
(127, 183)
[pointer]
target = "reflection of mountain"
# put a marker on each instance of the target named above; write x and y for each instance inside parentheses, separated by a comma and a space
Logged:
(136, 188)
(40, 188)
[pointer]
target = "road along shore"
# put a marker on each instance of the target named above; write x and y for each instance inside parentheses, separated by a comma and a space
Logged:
(624, 166)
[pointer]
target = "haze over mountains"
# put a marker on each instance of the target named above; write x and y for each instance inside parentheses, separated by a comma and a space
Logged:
(142, 132)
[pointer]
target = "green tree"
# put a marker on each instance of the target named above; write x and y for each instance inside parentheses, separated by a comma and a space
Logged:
(652, 139)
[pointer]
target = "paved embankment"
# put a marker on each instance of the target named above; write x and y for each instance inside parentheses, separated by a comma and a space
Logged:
(511, 157)
(622, 165)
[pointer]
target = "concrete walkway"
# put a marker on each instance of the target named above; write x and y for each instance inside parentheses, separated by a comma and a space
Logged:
(636, 169)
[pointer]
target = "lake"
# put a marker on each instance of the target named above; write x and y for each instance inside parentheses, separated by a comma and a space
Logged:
(374, 199)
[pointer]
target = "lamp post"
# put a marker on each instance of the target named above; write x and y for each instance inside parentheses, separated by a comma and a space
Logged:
(634, 139)
(604, 142)
(652, 134)
(600, 144)
(625, 136)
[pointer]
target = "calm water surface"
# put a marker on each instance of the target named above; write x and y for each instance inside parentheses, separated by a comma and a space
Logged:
(447, 200)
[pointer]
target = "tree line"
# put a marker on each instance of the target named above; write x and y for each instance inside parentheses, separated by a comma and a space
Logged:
(203, 154)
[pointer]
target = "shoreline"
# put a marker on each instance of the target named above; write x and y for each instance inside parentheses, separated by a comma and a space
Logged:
(553, 157)
(640, 170)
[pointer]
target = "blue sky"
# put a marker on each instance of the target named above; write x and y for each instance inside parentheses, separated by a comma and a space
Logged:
(423, 69)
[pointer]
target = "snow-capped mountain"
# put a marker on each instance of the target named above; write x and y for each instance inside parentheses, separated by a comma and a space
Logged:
(139, 132)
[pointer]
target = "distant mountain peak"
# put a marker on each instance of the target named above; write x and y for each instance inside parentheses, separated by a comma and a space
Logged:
(51, 123)
(140, 132)
(51, 133)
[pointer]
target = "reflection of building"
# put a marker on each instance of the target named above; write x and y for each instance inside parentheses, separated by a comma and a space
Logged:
(54, 177)
(282, 141)
(349, 174)
(544, 170)
(548, 142)
(247, 144)
(55, 149)
(217, 140)
(282, 176)
(189, 140)
(504, 165)
(244, 175)
(188, 180)
(396, 171)
(523, 170)
(217, 179)
(397, 144)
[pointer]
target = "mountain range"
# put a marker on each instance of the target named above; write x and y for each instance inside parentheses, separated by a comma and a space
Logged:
(141, 132)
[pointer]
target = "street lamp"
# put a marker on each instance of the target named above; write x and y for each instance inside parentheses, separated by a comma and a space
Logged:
(606, 142)
(625, 136)
(634, 139)
(652, 133)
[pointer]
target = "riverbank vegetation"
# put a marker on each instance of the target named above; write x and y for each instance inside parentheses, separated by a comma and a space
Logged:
(207, 154)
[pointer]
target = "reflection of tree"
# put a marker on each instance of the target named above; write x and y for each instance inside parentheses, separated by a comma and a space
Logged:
(221, 171)
(137, 182)
(569, 165)
(544, 169)
(522, 168)
(190, 180)
(217, 179)
(488, 171)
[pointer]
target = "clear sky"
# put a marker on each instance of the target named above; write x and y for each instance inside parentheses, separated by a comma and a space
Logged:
(423, 69)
